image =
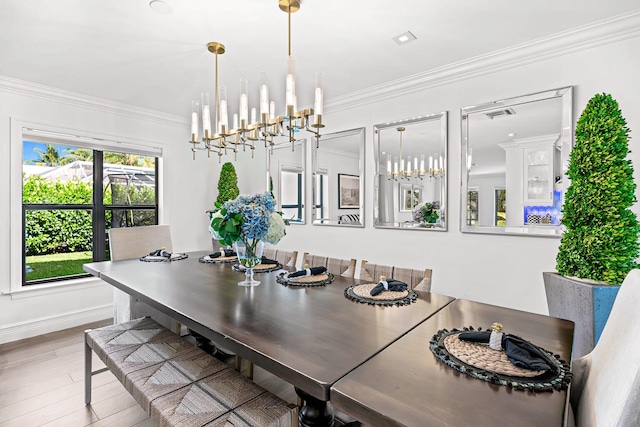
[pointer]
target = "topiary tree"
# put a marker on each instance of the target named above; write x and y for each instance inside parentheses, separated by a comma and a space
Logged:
(227, 184)
(601, 239)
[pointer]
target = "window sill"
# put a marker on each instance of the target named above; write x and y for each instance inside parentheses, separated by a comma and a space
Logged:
(54, 288)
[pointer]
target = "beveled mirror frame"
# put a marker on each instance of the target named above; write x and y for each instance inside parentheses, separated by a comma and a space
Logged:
(563, 142)
(274, 160)
(409, 124)
(343, 217)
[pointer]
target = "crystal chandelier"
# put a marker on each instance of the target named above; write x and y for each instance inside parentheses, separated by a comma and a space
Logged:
(249, 128)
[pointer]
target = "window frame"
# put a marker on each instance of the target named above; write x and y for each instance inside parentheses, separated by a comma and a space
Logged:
(22, 130)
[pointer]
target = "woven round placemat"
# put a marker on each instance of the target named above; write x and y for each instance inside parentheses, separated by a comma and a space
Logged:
(317, 280)
(221, 260)
(260, 268)
(481, 362)
(362, 293)
(482, 356)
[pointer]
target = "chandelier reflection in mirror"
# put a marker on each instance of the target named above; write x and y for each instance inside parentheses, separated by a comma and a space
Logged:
(247, 129)
(413, 167)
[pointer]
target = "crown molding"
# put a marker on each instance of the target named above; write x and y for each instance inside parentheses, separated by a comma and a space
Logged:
(35, 90)
(618, 28)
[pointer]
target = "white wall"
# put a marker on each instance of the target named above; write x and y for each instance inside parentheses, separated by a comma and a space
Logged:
(501, 270)
(187, 191)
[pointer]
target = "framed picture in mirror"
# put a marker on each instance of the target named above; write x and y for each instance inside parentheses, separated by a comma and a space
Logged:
(348, 191)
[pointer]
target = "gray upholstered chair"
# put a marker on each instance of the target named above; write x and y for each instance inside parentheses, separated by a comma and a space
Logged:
(604, 390)
(136, 242)
(341, 267)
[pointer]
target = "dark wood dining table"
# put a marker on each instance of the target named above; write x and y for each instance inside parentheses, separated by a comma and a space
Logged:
(407, 385)
(308, 336)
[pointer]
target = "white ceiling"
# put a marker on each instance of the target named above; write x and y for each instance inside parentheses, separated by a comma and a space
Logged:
(124, 51)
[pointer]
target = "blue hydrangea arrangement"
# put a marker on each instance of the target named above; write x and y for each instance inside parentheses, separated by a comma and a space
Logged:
(248, 219)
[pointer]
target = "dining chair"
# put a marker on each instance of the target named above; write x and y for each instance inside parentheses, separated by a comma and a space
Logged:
(314, 260)
(342, 267)
(269, 253)
(287, 258)
(136, 242)
(372, 272)
(416, 279)
(604, 390)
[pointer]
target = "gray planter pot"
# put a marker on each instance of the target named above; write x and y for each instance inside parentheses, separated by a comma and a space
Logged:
(586, 304)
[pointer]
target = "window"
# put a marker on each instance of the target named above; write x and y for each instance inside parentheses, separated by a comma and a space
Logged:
(73, 190)
(322, 195)
(500, 207)
(472, 207)
(292, 194)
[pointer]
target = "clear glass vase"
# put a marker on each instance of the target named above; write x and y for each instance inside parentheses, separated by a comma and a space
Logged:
(249, 255)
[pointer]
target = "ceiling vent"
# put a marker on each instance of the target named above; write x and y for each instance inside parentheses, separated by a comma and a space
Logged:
(500, 113)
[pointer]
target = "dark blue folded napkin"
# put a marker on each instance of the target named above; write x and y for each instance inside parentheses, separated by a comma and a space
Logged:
(160, 252)
(265, 260)
(223, 253)
(313, 271)
(520, 352)
(388, 285)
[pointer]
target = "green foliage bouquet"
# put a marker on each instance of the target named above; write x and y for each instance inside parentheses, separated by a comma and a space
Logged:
(427, 213)
(248, 219)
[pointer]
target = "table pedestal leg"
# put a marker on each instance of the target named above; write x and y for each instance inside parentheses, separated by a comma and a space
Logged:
(314, 412)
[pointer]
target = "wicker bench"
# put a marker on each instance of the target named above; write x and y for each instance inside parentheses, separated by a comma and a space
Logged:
(176, 383)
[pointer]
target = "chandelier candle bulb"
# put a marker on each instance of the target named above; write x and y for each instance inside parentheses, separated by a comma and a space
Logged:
(272, 110)
(389, 172)
(195, 109)
(430, 163)
(206, 115)
(253, 116)
(402, 165)
(290, 87)
(395, 166)
(235, 120)
(244, 104)
(223, 122)
(421, 164)
(318, 104)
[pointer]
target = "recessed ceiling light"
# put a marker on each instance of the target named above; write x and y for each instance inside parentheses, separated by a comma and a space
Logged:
(161, 6)
(512, 134)
(404, 38)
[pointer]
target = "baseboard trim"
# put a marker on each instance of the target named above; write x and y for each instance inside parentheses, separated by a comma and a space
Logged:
(44, 325)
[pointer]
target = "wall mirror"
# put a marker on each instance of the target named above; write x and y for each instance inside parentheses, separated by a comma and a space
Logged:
(410, 185)
(285, 179)
(515, 153)
(338, 179)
